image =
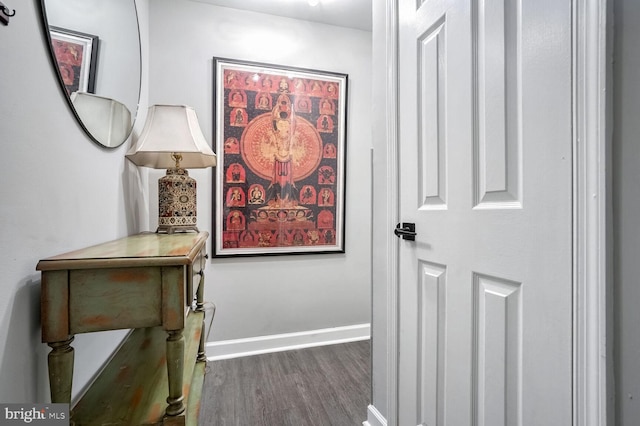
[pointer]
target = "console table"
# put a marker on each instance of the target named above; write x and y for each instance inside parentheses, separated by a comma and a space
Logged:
(152, 283)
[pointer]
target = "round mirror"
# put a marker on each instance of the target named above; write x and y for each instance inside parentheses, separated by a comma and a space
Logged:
(95, 49)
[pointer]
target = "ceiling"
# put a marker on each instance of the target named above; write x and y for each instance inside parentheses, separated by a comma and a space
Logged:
(344, 13)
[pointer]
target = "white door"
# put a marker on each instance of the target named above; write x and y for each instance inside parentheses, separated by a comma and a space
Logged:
(486, 176)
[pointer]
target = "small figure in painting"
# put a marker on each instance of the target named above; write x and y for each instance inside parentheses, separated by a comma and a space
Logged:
(256, 195)
(298, 238)
(308, 195)
(263, 102)
(283, 87)
(235, 197)
(329, 151)
(313, 236)
(264, 239)
(235, 173)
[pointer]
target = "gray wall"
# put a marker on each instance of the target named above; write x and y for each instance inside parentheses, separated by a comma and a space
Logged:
(281, 294)
(62, 192)
(626, 210)
(59, 192)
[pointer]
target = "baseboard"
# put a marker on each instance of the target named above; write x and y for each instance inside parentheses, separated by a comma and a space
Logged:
(374, 418)
(283, 342)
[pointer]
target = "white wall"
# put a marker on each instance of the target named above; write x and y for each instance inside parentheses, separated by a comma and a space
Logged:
(271, 295)
(626, 210)
(59, 192)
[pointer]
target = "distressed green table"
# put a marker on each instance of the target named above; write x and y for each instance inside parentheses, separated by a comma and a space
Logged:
(152, 283)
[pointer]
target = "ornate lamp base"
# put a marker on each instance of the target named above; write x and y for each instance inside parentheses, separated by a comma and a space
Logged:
(177, 202)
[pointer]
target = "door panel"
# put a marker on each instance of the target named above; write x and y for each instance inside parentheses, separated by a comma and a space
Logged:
(485, 173)
(498, 98)
(432, 325)
(497, 351)
(432, 113)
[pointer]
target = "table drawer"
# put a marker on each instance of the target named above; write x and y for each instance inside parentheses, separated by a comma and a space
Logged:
(109, 299)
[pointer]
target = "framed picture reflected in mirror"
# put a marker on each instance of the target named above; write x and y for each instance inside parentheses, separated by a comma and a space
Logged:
(76, 55)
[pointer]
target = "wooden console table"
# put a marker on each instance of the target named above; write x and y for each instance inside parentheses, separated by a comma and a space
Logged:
(152, 283)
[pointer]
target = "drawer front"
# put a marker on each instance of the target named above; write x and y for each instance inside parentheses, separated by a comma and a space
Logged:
(109, 299)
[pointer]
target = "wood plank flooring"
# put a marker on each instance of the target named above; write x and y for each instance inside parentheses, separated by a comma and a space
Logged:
(322, 386)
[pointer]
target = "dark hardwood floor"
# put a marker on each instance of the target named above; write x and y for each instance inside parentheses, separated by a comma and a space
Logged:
(321, 386)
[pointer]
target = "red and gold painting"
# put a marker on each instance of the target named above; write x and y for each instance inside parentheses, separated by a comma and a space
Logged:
(76, 55)
(280, 139)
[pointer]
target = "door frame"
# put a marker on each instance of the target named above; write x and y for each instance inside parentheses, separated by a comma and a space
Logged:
(592, 356)
(591, 206)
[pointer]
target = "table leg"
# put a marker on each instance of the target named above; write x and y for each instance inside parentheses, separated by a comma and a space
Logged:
(200, 293)
(200, 308)
(61, 370)
(175, 368)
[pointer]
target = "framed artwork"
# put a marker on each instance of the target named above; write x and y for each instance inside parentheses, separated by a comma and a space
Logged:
(279, 187)
(77, 56)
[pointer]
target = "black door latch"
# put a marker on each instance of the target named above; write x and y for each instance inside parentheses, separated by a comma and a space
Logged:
(406, 231)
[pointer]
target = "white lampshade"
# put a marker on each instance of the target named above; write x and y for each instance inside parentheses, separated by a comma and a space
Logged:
(172, 129)
(108, 121)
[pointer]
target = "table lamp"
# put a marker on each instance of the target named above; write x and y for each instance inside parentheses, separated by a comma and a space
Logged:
(171, 139)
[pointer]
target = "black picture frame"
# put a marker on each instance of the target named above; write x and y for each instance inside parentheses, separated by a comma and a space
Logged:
(280, 136)
(76, 56)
